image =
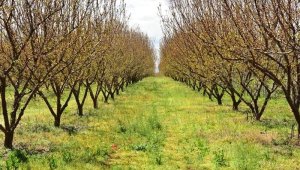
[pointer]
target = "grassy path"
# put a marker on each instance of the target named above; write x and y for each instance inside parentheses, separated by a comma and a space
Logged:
(157, 124)
(195, 133)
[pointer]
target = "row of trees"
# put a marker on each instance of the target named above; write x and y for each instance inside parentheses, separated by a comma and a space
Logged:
(65, 49)
(246, 49)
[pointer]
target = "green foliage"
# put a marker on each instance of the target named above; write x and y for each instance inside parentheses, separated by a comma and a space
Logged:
(203, 149)
(219, 159)
(121, 127)
(37, 127)
(140, 147)
(159, 159)
(154, 122)
(15, 159)
(53, 163)
(67, 156)
(71, 130)
(248, 157)
(97, 155)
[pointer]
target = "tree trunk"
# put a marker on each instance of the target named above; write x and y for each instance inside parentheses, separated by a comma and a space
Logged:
(58, 111)
(80, 103)
(8, 139)
(298, 131)
(118, 91)
(105, 98)
(258, 116)
(295, 109)
(80, 110)
(8, 134)
(219, 98)
(194, 87)
(296, 113)
(235, 106)
(57, 120)
(95, 103)
(255, 110)
(94, 97)
(199, 89)
(112, 95)
(210, 97)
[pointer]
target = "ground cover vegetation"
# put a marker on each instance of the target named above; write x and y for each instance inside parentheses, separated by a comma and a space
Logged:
(155, 124)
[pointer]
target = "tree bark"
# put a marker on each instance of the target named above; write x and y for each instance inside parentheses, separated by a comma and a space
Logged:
(204, 92)
(219, 99)
(95, 96)
(57, 121)
(8, 139)
(105, 98)
(235, 106)
(296, 113)
(105, 95)
(217, 94)
(235, 103)
(80, 110)
(112, 95)
(80, 103)
(298, 130)
(258, 116)
(8, 134)
(95, 103)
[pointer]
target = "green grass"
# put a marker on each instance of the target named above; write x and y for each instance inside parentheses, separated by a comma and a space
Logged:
(155, 124)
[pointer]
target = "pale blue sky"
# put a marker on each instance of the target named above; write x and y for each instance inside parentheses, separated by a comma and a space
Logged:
(144, 14)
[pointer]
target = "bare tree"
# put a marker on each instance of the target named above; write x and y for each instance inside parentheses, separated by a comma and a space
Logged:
(25, 44)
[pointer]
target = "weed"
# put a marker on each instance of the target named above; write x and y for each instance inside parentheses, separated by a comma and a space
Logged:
(158, 159)
(89, 156)
(52, 163)
(121, 127)
(281, 142)
(247, 157)
(287, 150)
(267, 156)
(41, 128)
(15, 159)
(142, 129)
(219, 159)
(203, 149)
(140, 147)
(71, 130)
(96, 155)
(271, 124)
(67, 156)
(154, 122)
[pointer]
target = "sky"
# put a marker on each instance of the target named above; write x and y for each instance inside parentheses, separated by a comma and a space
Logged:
(145, 15)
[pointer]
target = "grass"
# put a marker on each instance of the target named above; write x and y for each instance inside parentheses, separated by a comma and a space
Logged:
(155, 124)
